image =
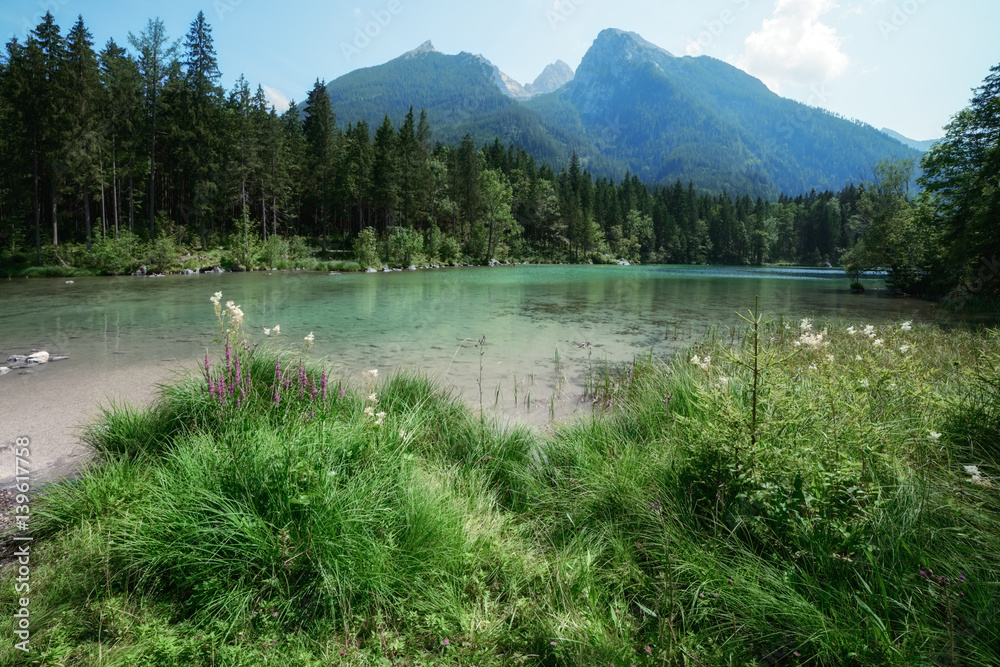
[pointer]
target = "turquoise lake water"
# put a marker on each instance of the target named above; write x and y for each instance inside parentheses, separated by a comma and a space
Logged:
(534, 318)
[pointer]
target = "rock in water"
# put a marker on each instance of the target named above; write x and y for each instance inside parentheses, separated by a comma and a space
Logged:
(38, 357)
(4, 370)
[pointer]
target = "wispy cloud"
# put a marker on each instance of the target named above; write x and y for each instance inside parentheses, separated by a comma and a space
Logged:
(794, 46)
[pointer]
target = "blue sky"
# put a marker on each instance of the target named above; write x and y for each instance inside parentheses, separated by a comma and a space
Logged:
(905, 64)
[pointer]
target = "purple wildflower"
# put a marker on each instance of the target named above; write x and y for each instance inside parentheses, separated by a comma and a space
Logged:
(340, 391)
(322, 383)
(446, 642)
(277, 372)
(277, 398)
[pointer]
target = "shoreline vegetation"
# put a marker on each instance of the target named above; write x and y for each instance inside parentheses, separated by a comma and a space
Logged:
(822, 493)
(116, 160)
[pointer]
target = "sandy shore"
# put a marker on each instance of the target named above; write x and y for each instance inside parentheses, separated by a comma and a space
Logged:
(51, 403)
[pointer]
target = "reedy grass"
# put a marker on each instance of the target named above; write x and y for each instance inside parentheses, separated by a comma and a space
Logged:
(836, 528)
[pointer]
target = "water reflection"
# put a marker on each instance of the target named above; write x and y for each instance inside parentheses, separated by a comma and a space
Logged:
(530, 315)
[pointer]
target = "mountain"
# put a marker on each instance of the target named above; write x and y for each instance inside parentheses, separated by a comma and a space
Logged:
(922, 146)
(552, 78)
(631, 107)
(461, 94)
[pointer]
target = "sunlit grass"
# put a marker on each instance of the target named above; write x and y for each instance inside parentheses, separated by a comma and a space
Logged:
(352, 521)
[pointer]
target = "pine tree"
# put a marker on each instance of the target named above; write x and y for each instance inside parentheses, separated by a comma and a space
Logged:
(319, 129)
(155, 59)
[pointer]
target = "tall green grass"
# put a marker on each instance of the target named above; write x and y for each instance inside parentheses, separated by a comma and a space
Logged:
(816, 510)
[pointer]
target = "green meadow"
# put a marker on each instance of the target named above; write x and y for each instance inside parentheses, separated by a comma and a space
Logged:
(785, 493)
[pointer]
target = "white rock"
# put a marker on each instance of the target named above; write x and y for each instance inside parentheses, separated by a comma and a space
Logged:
(38, 357)
(4, 370)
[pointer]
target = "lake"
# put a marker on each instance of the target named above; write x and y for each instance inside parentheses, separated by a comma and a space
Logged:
(124, 334)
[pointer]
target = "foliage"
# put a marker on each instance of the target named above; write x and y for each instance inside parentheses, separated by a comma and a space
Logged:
(810, 493)
(82, 125)
(244, 247)
(366, 248)
(405, 247)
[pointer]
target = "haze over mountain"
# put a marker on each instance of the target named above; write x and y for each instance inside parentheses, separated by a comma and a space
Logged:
(922, 146)
(631, 107)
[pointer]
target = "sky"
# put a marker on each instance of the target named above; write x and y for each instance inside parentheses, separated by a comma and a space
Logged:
(909, 65)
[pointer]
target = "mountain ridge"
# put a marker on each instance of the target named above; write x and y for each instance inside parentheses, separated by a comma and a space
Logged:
(631, 107)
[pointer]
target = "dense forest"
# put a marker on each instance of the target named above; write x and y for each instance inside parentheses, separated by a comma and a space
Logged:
(117, 158)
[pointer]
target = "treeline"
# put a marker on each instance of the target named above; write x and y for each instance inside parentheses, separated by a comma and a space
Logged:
(146, 146)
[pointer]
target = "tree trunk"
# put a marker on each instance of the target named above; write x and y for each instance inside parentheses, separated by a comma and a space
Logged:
(114, 191)
(152, 174)
(55, 214)
(86, 214)
(38, 214)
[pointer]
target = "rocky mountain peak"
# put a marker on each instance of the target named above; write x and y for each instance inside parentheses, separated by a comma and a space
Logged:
(426, 47)
(553, 77)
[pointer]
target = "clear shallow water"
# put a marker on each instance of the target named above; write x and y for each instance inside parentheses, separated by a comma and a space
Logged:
(429, 320)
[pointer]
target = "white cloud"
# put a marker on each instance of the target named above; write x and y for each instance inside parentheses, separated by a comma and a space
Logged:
(794, 46)
(276, 98)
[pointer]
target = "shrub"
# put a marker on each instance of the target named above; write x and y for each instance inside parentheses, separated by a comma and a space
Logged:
(366, 248)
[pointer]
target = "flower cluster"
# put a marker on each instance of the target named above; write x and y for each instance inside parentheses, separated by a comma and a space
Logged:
(230, 319)
(370, 378)
(276, 329)
(809, 338)
(976, 477)
(232, 383)
(705, 364)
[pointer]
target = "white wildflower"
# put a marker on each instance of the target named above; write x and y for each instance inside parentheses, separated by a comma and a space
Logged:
(277, 329)
(877, 342)
(267, 332)
(705, 364)
(857, 357)
(310, 338)
(370, 375)
(907, 325)
(812, 340)
(830, 358)
(805, 325)
(370, 411)
(864, 382)
(851, 330)
(378, 418)
(216, 298)
(723, 382)
(903, 349)
(813, 367)
(373, 398)
(972, 470)
(869, 331)
(934, 436)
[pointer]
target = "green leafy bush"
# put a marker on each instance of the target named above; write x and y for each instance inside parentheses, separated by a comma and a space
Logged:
(366, 248)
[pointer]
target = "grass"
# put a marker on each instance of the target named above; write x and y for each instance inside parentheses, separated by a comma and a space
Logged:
(806, 502)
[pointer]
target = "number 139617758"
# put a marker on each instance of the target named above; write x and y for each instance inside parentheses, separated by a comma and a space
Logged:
(22, 479)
